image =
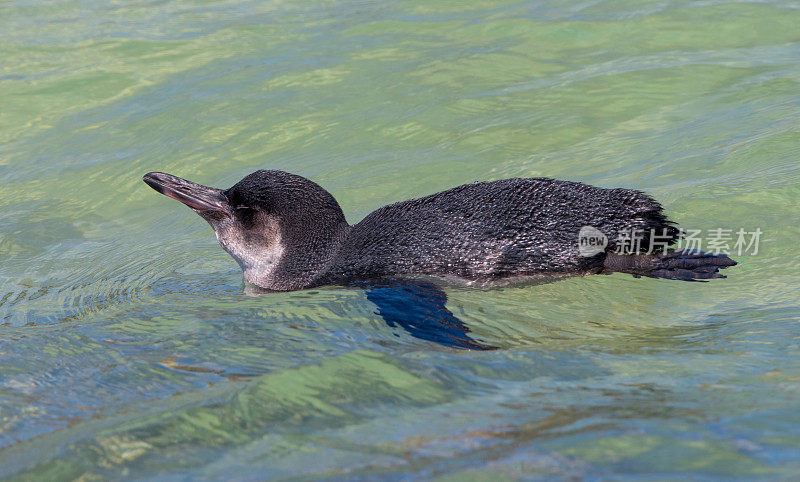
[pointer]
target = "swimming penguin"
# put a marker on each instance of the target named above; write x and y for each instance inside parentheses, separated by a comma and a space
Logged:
(288, 233)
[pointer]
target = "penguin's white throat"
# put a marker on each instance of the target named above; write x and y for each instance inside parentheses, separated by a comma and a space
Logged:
(257, 248)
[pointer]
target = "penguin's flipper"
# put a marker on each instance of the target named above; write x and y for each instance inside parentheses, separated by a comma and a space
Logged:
(419, 308)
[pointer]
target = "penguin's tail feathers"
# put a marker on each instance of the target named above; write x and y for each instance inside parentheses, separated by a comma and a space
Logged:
(686, 265)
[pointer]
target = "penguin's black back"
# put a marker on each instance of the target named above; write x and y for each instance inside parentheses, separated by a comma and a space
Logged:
(492, 230)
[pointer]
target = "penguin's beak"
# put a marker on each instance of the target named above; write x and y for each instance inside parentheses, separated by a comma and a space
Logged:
(196, 196)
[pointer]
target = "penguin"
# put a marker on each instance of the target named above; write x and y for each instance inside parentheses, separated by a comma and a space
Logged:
(287, 233)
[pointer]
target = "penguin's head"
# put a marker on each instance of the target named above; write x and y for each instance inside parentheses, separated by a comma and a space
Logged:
(280, 227)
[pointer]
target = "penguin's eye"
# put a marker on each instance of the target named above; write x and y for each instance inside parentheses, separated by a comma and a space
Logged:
(246, 215)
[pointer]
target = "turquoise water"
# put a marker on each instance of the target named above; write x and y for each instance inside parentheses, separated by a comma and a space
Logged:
(129, 348)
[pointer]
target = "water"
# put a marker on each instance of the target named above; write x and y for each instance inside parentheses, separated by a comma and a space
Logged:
(128, 345)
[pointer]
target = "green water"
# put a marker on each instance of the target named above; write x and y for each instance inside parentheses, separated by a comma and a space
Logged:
(128, 346)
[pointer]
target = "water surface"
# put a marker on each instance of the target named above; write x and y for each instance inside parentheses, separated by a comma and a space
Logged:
(129, 348)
